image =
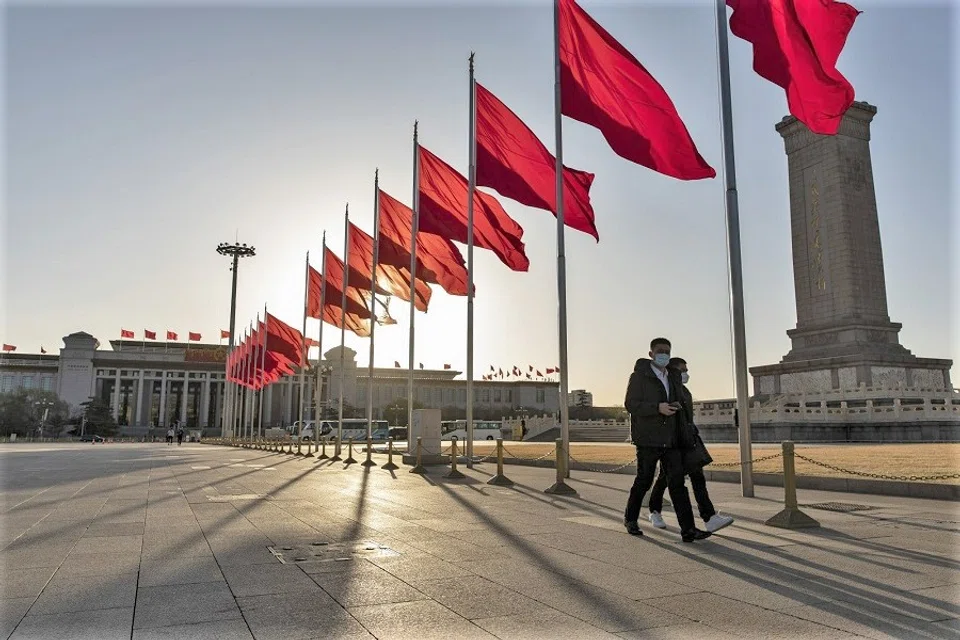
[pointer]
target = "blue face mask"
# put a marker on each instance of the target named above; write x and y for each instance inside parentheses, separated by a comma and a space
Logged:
(661, 359)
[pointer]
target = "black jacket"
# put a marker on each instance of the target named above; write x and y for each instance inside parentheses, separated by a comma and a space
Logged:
(645, 392)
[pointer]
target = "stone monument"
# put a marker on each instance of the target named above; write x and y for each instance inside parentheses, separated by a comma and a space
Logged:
(844, 339)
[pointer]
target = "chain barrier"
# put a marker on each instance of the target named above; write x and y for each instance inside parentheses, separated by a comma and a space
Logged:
(879, 476)
(585, 467)
(513, 455)
(737, 463)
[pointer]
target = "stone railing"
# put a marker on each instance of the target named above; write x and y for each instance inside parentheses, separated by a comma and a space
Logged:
(862, 405)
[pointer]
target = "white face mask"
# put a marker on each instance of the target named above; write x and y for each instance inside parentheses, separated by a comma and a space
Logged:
(684, 377)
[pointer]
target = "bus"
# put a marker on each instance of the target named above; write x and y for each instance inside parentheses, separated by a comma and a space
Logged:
(482, 430)
(355, 428)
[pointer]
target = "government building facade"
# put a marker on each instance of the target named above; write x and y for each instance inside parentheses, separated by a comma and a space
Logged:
(151, 385)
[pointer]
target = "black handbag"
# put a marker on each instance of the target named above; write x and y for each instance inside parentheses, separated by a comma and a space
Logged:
(697, 457)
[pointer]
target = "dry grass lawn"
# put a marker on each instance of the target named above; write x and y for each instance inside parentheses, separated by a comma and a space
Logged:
(888, 459)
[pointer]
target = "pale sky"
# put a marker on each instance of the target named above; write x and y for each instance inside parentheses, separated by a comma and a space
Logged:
(138, 139)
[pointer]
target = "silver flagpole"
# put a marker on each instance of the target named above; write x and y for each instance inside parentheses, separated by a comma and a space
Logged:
(733, 255)
(319, 413)
(241, 414)
(303, 347)
(561, 254)
(472, 185)
(263, 373)
(414, 228)
(373, 297)
(343, 318)
(251, 393)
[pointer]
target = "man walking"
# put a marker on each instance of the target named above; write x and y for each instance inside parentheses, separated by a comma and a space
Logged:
(654, 401)
(693, 463)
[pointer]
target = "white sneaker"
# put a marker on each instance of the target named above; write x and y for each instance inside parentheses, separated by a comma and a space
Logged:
(717, 522)
(657, 520)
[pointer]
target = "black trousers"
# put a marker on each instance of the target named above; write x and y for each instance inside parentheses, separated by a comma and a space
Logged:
(699, 484)
(672, 461)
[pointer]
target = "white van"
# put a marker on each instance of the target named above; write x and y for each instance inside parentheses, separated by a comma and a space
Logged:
(355, 428)
(482, 430)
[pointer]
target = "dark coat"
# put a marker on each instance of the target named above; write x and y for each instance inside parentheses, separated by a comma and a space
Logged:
(645, 392)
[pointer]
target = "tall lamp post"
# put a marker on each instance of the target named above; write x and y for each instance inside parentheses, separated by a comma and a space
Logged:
(234, 251)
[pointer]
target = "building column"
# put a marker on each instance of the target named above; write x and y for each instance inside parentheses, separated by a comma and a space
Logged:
(288, 404)
(268, 405)
(184, 397)
(161, 416)
(140, 419)
(204, 402)
(116, 396)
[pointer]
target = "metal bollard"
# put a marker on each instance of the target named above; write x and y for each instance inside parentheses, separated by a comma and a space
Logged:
(369, 462)
(419, 468)
(791, 517)
(390, 466)
(453, 473)
(561, 488)
(336, 450)
(290, 447)
(299, 446)
(350, 459)
(500, 480)
(309, 453)
(323, 452)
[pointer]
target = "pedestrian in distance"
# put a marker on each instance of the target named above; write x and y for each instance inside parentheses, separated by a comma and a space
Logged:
(170, 436)
(654, 401)
(694, 460)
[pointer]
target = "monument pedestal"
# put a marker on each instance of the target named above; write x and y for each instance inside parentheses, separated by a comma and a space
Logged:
(844, 339)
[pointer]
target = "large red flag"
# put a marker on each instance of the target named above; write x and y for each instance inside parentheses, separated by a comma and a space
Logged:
(356, 303)
(603, 85)
(443, 211)
(438, 260)
(283, 340)
(512, 160)
(352, 322)
(796, 44)
(394, 278)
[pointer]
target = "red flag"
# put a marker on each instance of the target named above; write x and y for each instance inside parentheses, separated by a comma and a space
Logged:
(311, 342)
(438, 260)
(360, 325)
(512, 160)
(394, 278)
(356, 303)
(171, 335)
(421, 365)
(396, 363)
(42, 350)
(528, 377)
(796, 45)
(446, 366)
(9, 347)
(224, 335)
(125, 334)
(149, 335)
(604, 86)
(195, 337)
(443, 211)
(531, 367)
(284, 340)
(539, 375)
(549, 371)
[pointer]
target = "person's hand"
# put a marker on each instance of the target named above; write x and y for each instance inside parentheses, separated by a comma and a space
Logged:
(667, 409)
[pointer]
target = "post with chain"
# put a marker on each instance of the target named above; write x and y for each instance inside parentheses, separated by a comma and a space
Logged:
(454, 474)
(390, 466)
(369, 461)
(500, 480)
(309, 453)
(791, 517)
(323, 451)
(561, 488)
(336, 450)
(350, 459)
(299, 446)
(419, 468)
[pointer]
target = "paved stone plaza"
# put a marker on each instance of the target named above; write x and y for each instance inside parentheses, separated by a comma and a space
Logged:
(151, 541)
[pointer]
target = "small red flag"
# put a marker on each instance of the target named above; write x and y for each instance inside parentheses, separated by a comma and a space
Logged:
(549, 371)
(171, 335)
(443, 212)
(42, 350)
(604, 86)
(796, 44)
(126, 334)
(421, 365)
(9, 347)
(396, 363)
(539, 375)
(224, 335)
(531, 367)
(491, 368)
(446, 366)
(149, 335)
(312, 343)
(195, 337)
(512, 160)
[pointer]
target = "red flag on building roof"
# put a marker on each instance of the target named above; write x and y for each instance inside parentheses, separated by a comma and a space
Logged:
(438, 260)
(9, 347)
(193, 337)
(443, 211)
(171, 335)
(446, 366)
(126, 334)
(149, 335)
(512, 160)
(42, 350)
(396, 363)
(539, 375)
(395, 279)
(796, 44)
(604, 86)
(224, 335)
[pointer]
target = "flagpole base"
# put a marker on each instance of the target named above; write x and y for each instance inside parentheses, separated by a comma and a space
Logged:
(368, 463)
(419, 469)
(453, 474)
(500, 480)
(350, 460)
(392, 467)
(792, 519)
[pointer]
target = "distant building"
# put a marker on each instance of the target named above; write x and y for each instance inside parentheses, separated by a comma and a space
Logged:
(152, 384)
(580, 398)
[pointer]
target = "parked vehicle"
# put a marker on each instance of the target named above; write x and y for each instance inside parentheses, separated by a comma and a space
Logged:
(355, 428)
(482, 430)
